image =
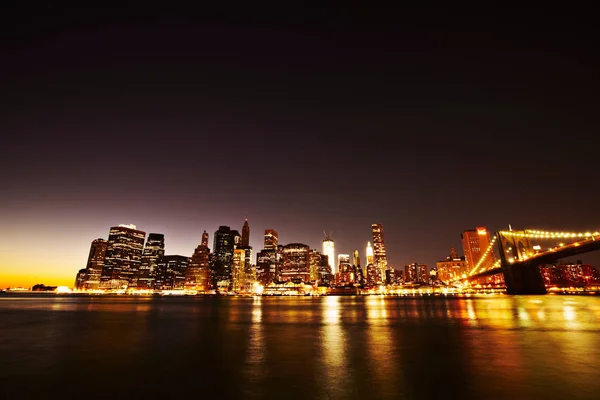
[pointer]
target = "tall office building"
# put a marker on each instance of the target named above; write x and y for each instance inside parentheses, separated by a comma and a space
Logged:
(315, 264)
(329, 251)
(246, 234)
(123, 257)
(271, 239)
(171, 272)
(475, 242)
(416, 273)
(198, 272)
(95, 263)
(343, 259)
(373, 277)
(222, 257)
(266, 266)
(153, 250)
(345, 274)
(81, 279)
(369, 254)
(355, 259)
(358, 271)
(296, 262)
(325, 276)
(237, 239)
(379, 254)
(238, 273)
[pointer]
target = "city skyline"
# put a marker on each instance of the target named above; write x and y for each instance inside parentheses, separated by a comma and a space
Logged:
(181, 125)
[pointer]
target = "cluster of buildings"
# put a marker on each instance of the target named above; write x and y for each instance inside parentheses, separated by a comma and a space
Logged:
(129, 260)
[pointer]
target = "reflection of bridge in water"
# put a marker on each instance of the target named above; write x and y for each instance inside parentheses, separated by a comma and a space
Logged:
(519, 260)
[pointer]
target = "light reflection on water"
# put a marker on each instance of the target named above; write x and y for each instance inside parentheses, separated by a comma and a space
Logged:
(327, 347)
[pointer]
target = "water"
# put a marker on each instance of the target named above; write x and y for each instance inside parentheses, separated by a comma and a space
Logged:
(491, 347)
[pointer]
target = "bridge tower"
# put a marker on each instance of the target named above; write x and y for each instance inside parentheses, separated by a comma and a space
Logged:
(522, 277)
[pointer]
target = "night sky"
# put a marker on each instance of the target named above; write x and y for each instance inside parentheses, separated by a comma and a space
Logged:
(426, 122)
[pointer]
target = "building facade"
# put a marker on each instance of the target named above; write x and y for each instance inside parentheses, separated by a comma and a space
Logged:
(198, 272)
(222, 257)
(295, 263)
(271, 239)
(123, 257)
(171, 272)
(329, 251)
(475, 242)
(153, 250)
(95, 263)
(379, 252)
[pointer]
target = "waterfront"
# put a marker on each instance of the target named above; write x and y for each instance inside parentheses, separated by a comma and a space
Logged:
(304, 347)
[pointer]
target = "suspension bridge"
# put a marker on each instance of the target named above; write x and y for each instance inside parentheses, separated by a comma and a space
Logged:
(518, 255)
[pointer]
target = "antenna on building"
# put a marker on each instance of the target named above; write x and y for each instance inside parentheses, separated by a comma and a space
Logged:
(509, 227)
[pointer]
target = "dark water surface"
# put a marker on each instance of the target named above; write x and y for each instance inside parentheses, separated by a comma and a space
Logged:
(491, 347)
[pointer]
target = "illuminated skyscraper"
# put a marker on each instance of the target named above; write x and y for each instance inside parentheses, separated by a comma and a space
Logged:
(222, 257)
(271, 239)
(315, 263)
(325, 276)
(95, 263)
(239, 270)
(153, 250)
(296, 262)
(345, 274)
(266, 266)
(343, 259)
(358, 271)
(379, 254)
(171, 272)
(369, 254)
(123, 257)
(198, 272)
(416, 273)
(329, 251)
(246, 234)
(373, 277)
(475, 242)
(237, 239)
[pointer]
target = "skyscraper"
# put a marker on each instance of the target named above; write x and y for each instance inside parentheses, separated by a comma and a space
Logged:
(245, 245)
(222, 257)
(475, 242)
(369, 254)
(239, 270)
(171, 272)
(246, 234)
(237, 239)
(296, 262)
(123, 257)
(329, 251)
(198, 272)
(266, 266)
(271, 239)
(345, 274)
(379, 254)
(315, 263)
(355, 259)
(95, 263)
(153, 250)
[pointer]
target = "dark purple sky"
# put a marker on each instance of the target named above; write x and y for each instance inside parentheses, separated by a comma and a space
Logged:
(423, 121)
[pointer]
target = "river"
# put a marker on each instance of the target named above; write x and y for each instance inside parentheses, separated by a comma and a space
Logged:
(330, 347)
